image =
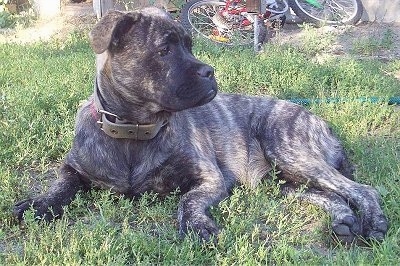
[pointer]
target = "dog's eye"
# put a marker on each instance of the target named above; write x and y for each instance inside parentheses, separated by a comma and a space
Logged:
(163, 51)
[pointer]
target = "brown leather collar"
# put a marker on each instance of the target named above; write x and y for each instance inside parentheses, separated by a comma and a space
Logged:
(121, 128)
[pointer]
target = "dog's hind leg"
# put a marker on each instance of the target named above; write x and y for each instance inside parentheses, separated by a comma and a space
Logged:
(306, 151)
(48, 206)
(319, 175)
(345, 223)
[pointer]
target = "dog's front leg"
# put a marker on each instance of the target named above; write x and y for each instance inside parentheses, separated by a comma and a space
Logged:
(193, 212)
(49, 205)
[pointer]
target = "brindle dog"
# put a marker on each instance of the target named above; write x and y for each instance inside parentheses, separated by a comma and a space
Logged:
(156, 123)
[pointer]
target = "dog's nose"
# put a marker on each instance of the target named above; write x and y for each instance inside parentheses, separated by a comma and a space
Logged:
(206, 71)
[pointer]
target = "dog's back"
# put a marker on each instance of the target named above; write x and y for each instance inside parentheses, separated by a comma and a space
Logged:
(248, 135)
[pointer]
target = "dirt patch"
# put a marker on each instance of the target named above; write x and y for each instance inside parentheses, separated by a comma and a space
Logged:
(377, 40)
(73, 17)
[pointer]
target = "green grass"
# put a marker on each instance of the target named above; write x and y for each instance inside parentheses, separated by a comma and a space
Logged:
(41, 86)
(373, 43)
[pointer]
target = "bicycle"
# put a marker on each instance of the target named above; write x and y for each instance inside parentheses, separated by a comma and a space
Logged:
(328, 12)
(242, 22)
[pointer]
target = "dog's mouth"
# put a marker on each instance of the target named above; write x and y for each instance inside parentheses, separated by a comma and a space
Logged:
(207, 97)
(189, 101)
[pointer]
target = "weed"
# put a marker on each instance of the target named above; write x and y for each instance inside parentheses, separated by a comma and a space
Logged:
(374, 43)
(314, 40)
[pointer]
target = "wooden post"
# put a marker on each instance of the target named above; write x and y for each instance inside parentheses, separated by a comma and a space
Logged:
(102, 6)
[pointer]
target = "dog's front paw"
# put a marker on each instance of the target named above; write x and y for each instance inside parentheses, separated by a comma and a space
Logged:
(202, 225)
(43, 210)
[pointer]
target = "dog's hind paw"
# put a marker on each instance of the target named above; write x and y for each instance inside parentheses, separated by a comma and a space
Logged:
(377, 228)
(346, 228)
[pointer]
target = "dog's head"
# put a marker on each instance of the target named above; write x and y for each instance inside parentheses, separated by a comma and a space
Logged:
(146, 58)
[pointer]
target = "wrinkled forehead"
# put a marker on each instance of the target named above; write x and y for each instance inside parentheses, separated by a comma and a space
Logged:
(164, 27)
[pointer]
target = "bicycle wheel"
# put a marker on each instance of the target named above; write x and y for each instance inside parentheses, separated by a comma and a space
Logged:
(206, 19)
(329, 12)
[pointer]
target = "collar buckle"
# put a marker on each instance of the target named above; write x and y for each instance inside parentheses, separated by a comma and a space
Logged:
(122, 128)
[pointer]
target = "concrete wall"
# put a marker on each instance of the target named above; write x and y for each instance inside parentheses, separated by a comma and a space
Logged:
(381, 10)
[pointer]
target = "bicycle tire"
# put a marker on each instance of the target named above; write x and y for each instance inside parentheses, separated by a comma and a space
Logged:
(339, 12)
(199, 17)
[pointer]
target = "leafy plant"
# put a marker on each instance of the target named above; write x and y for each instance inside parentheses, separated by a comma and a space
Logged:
(6, 19)
(22, 19)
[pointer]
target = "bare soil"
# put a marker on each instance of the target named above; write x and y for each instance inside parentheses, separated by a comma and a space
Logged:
(379, 40)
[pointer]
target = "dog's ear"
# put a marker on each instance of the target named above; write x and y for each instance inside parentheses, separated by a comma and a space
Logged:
(110, 29)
